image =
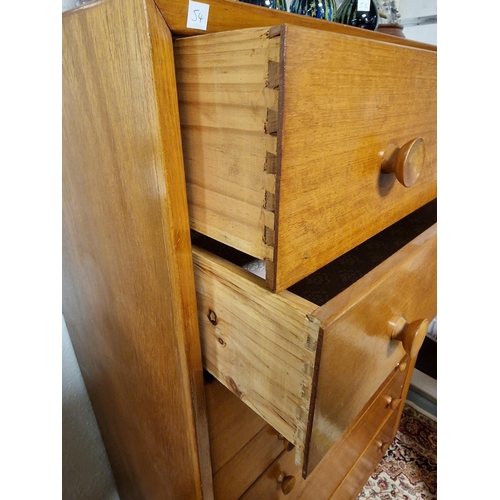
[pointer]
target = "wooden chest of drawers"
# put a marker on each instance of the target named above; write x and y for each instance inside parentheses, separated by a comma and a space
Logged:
(309, 386)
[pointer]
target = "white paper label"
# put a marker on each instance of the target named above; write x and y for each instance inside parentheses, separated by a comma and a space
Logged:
(364, 5)
(197, 17)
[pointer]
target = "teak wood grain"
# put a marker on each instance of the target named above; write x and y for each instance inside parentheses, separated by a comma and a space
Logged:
(128, 286)
(299, 365)
(360, 473)
(228, 15)
(318, 191)
(357, 324)
(128, 293)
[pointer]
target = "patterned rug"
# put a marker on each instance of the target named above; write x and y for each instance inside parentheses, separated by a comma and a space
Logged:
(408, 471)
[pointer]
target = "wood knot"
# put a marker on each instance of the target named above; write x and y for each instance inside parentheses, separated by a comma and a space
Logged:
(212, 317)
(234, 388)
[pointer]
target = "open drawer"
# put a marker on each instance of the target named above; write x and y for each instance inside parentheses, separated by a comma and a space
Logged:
(290, 135)
(309, 368)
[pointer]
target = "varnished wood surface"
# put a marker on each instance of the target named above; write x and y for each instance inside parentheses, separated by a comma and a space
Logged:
(128, 286)
(231, 482)
(357, 352)
(331, 194)
(226, 15)
(359, 474)
(325, 193)
(267, 486)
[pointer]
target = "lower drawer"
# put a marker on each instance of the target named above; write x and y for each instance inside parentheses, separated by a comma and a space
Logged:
(242, 445)
(367, 462)
(334, 473)
(308, 368)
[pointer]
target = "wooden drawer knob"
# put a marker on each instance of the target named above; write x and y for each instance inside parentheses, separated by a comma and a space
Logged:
(286, 444)
(287, 483)
(383, 447)
(392, 403)
(412, 335)
(405, 162)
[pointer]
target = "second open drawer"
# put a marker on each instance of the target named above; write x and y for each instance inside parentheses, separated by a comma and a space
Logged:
(308, 368)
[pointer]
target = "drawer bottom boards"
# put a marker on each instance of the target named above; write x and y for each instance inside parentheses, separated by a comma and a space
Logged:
(306, 363)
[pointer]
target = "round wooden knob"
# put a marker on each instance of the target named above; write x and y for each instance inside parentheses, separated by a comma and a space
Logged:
(287, 483)
(405, 162)
(286, 444)
(392, 403)
(412, 335)
(383, 447)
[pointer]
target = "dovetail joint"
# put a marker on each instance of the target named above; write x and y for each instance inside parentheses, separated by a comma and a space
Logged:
(273, 75)
(311, 343)
(271, 126)
(271, 164)
(308, 369)
(270, 202)
(269, 238)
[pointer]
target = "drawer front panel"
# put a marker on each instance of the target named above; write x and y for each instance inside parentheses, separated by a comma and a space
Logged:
(283, 155)
(338, 117)
(336, 467)
(357, 352)
(247, 465)
(367, 462)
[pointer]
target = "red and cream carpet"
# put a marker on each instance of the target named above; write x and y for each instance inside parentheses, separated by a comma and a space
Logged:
(408, 471)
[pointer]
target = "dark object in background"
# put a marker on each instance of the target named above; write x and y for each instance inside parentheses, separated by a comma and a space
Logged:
(270, 4)
(320, 9)
(359, 13)
(427, 358)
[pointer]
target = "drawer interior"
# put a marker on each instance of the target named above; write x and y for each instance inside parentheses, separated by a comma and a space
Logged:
(327, 282)
(242, 444)
(308, 359)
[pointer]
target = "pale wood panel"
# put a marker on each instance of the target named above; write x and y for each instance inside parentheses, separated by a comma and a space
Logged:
(225, 104)
(231, 424)
(357, 353)
(337, 119)
(260, 345)
(239, 474)
(128, 286)
(227, 15)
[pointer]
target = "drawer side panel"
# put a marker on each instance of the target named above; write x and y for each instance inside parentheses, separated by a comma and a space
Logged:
(228, 87)
(260, 345)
